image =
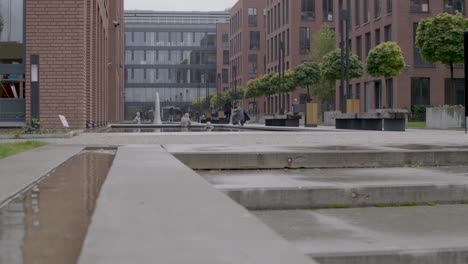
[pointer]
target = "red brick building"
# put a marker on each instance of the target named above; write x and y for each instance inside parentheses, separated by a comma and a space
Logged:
(294, 23)
(420, 83)
(246, 42)
(72, 60)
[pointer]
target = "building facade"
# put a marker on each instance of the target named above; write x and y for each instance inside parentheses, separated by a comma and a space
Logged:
(62, 62)
(420, 82)
(172, 53)
(246, 42)
(293, 23)
(222, 54)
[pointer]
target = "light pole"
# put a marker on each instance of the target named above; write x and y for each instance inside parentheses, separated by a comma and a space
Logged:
(281, 76)
(207, 93)
(218, 88)
(234, 72)
(344, 31)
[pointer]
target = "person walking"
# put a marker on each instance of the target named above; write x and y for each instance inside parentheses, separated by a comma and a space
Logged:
(237, 115)
(227, 111)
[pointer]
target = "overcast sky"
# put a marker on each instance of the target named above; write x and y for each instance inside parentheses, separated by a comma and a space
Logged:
(179, 5)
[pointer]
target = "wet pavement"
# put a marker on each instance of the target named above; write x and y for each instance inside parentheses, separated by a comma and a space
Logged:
(366, 232)
(48, 223)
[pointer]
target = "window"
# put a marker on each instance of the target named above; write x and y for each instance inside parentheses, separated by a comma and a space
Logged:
(225, 40)
(389, 93)
(366, 11)
(287, 11)
(421, 6)
(420, 91)
(417, 58)
(357, 13)
(359, 47)
(368, 43)
(253, 64)
(308, 9)
(254, 40)
(287, 43)
(304, 40)
(377, 36)
(358, 90)
(454, 6)
(378, 94)
(327, 10)
(225, 76)
(455, 95)
(377, 9)
(252, 17)
(225, 57)
(388, 33)
(389, 6)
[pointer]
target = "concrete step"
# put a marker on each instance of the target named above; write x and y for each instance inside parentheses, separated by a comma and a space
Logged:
(228, 157)
(332, 188)
(405, 235)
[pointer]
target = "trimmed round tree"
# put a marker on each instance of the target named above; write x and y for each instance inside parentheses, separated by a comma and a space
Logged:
(306, 75)
(385, 60)
(440, 39)
(331, 66)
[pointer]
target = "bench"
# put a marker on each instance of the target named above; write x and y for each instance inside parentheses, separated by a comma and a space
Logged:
(378, 120)
(283, 120)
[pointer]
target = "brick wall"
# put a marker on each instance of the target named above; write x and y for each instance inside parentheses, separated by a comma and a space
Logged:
(71, 38)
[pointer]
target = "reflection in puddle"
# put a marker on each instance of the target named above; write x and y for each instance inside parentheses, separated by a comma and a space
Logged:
(48, 223)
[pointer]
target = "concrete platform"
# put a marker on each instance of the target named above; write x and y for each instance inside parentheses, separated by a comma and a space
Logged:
(315, 188)
(407, 235)
(205, 157)
(18, 172)
(153, 209)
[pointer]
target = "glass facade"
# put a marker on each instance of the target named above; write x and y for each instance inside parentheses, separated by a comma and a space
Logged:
(172, 53)
(12, 104)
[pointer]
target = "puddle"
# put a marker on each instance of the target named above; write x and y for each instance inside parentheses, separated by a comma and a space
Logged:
(343, 148)
(48, 223)
(417, 147)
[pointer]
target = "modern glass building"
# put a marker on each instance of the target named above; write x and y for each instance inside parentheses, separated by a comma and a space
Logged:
(173, 53)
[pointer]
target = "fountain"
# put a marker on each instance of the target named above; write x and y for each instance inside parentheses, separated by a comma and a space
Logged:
(157, 111)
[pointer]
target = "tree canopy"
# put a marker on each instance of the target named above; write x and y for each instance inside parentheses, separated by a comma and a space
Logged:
(385, 60)
(331, 66)
(324, 42)
(307, 74)
(440, 38)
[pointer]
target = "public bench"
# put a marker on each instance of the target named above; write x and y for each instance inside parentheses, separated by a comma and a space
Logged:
(283, 120)
(387, 120)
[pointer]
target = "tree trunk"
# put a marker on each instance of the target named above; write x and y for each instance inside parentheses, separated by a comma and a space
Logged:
(452, 85)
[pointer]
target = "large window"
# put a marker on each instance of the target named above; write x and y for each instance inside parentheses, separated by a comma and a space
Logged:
(389, 6)
(225, 40)
(419, 6)
(225, 57)
(304, 40)
(366, 11)
(11, 36)
(252, 17)
(389, 93)
(254, 40)
(417, 58)
(377, 9)
(378, 94)
(368, 43)
(454, 6)
(420, 91)
(359, 47)
(225, 76)
(388, 33)
(327, 10)
(455, 95)
(357, 14)
(253, 63)
(377, 36)
(308, 9)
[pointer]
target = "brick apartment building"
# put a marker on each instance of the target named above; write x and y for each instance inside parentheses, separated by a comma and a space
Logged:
(67, 59)
(246, 42)
(420, 83)
(294, 23)
(222, 55)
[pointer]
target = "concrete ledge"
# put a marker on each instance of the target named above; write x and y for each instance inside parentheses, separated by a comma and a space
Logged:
(320, 159)
(152, 209)
(19, 172)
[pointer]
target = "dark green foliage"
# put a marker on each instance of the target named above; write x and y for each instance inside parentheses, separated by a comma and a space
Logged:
(385, 60)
